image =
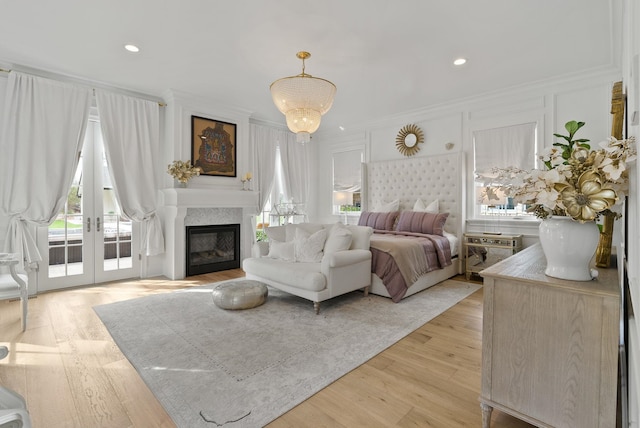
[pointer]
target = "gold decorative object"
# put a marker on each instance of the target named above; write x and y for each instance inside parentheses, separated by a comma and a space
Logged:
(603, 251)
(408, 140)
(303, 99)
(183, 171)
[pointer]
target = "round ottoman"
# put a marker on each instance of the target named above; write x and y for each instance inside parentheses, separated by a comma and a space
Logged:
(243, 294)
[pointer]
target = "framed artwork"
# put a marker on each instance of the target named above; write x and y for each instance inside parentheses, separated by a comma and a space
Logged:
(213, 146)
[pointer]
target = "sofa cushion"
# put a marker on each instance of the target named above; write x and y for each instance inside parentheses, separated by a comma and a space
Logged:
(276, 233)
(306, 276)
(309, 247)
(281, 250)
(310, 228)
(361, 237)
(339, 239)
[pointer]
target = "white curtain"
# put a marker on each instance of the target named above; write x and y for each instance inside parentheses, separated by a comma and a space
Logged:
(264, 141)
(504, 147)
(131, 131)
(42, 135)
(295, 164)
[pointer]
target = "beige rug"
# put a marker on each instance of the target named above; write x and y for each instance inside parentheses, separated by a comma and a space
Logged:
(210, 367)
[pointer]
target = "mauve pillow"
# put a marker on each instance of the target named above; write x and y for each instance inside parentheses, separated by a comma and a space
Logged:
(422, 222)
(378, 220)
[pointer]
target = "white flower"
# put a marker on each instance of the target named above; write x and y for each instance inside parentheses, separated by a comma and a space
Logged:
(558, 190)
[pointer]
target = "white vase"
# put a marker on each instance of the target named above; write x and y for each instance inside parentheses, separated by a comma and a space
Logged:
(569, 246)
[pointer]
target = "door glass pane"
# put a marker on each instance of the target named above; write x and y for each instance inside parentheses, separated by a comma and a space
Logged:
(65, 233)
(117, 229)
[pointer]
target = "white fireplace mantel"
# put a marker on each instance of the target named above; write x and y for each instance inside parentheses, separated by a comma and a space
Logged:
(176, 202)
(210, 198)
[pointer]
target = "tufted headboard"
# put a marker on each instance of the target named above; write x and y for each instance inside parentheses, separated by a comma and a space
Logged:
(434, 177)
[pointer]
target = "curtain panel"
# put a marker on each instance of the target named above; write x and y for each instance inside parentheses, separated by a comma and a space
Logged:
(504, 147)
(42, 135)
(131, 132)
(295, 165)
(264, 141)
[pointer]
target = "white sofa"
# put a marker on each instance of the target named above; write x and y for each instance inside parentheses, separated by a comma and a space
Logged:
(313, 261)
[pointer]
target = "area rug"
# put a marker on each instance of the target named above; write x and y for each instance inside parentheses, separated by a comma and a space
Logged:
(211, 367)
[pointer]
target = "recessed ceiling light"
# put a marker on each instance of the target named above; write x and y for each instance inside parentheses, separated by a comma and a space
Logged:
(132, 48)
(459, 61)
(341, 128)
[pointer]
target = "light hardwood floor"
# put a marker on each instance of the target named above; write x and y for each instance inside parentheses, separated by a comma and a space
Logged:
(73, 375)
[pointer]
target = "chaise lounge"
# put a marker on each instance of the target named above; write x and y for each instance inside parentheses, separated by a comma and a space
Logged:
(313, 261)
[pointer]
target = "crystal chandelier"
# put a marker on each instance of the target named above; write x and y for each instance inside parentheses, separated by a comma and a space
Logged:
(303, 99)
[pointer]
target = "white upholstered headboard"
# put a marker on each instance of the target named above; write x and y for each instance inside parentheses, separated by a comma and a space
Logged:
(428, 178)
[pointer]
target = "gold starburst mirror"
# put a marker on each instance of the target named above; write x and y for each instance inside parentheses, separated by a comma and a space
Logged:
(409, 139)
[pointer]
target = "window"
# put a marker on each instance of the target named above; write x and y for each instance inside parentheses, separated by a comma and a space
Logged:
(278, 209)
(509, 146)
(347, 177)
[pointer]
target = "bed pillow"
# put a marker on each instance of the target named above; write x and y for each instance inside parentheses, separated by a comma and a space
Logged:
(308, 247)
(388, 207)
(422, 222)
(433, 207)
(281, 250)
(378, 220)
(339, 239)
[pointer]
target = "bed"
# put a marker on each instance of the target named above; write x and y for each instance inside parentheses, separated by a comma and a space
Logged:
(428, 179)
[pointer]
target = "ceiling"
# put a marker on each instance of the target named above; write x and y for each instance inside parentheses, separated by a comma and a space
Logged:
(385, 57)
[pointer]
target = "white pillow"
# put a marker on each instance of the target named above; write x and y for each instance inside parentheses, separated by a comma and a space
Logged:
(339, 239)
(308, 248)
(388, 207)
(307, 227)
(276, 233)
(281, 250)
(433, 207)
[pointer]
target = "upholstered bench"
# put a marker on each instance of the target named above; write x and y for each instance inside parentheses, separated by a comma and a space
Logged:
(240, 294)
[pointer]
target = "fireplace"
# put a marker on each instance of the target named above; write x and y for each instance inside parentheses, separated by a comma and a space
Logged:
(212, 248)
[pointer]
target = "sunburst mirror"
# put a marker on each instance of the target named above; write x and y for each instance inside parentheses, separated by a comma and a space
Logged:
(409, 139)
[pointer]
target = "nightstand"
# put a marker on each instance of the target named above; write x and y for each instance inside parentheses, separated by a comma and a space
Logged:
(482, 250)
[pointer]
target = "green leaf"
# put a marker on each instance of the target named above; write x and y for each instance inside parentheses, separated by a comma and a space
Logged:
(572, 126)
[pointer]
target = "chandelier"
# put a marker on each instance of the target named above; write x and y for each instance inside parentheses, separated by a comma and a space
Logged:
(303, 99)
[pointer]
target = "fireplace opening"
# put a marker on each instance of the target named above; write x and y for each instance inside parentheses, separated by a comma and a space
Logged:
(212, 248)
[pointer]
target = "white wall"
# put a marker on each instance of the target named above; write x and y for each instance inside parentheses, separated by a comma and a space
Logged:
(631, 86)
(4, 223)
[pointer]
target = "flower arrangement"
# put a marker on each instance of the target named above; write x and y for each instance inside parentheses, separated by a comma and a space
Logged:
(577, 182)
(183, 171)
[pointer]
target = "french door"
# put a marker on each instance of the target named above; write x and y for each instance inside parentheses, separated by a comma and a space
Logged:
(89, 242)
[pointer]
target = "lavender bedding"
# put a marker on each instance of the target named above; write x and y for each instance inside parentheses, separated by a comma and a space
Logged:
(399, 258)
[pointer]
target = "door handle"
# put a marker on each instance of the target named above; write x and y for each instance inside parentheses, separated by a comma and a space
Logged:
(97, 224)
(88, 224)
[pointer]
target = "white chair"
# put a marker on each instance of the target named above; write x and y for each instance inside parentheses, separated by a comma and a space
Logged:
(14, 285)
(13, 409)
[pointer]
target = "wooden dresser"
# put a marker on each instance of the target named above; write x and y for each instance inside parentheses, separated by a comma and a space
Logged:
(549, 346)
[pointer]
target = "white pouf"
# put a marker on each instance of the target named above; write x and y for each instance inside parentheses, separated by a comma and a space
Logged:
(241, 294)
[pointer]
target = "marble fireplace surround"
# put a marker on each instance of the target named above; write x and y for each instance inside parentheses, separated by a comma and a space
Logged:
(196, 207)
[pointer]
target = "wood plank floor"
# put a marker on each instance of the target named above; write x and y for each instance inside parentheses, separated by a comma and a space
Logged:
(73, 375)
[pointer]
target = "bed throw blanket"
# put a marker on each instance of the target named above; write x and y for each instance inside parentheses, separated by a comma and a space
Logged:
(399, 258)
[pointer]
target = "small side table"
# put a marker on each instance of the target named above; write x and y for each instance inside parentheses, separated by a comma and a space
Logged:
(13, 285)
(482, 250)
